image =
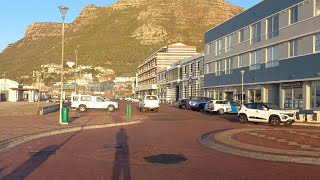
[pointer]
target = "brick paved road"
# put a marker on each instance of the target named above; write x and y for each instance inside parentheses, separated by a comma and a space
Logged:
(81, 155)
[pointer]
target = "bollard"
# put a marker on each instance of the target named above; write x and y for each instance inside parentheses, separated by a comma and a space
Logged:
(129, 111)
(65, 115)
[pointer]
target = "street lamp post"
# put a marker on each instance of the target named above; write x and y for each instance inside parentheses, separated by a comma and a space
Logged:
(242, 73)
(63, 11)
(75, 84)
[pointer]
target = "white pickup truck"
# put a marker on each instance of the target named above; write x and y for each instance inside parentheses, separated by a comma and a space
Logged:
(84, 102)
(149, 102)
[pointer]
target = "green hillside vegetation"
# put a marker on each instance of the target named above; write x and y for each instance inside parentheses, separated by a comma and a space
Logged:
(107, 40)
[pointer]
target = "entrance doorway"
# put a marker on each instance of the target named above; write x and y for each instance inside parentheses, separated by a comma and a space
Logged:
(229, 96)
(177, 93)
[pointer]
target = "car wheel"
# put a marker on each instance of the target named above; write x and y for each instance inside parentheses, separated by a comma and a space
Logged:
(243, 118)
(220, 111)
(111, 108)
(82, 108)
(274, 120)
(156, 110)
(183, 106)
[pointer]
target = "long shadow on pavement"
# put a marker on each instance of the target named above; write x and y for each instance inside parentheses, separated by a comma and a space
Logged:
(122, 158)
(35, 160)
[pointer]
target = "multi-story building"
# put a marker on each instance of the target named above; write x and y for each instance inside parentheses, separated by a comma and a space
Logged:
(192, 76)
(276, 45)
(146, 75)
(182, 79)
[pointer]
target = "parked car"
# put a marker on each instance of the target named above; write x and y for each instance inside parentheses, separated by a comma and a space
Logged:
(199, 106)
(266, 113)
(221, 107)
(134, 100)
(149, 102)
(196, 102)
(127, 98)
(182, 103)
(84, 102)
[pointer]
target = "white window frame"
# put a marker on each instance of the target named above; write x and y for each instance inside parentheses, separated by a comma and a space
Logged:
(219, 48)
(293, 47)
(241, 35)
(294, 18)
(317, 42)
(255, 34)
(272, 59)
(316, 7)
(271, 31)
(255, 60)
(228, 65)
(241, 60)
(229, 42)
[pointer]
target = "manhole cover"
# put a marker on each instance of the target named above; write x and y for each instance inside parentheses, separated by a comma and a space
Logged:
(42, 153)
(166, 158)
(112, 146)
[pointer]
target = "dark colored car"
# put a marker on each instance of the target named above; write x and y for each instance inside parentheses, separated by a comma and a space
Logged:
(182, 103)
(196, 103)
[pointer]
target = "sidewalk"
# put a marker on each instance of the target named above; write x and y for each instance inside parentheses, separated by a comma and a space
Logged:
(12, 127)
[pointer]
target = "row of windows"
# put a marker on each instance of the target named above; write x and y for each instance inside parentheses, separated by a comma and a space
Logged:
(272, 30)
(255, 58)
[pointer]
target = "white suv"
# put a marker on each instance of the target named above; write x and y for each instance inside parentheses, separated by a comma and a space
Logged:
(266, 113)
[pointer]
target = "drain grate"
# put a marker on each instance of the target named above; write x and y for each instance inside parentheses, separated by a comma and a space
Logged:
(108, 146)
(166, 158)
(42, 153)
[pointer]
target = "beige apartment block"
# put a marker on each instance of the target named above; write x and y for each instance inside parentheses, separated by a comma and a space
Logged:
(164, 57)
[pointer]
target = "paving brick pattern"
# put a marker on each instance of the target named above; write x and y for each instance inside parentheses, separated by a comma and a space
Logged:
(295, 142)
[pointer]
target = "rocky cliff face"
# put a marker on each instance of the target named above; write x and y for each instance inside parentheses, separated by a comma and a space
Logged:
(119, 36)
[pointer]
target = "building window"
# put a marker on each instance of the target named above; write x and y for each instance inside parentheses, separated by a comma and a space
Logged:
(220, 67)
(185, 69)
(229, 43)
(317, 42)
(256, 33)
(272, 56)
(228, 65)
(293, 48)
(241, 35)
(273, 26)
(198, 66)
(294, 14)
(255, 60)
(241, 60)
(219, 47)
(317, 7)
(315, 95)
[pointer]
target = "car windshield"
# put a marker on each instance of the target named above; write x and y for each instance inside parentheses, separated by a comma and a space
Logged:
(272, 106)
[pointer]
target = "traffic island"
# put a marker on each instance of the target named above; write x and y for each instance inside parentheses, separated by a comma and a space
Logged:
(284, 145)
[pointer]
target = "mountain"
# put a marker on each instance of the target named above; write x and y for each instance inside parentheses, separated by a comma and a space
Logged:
(119, 36)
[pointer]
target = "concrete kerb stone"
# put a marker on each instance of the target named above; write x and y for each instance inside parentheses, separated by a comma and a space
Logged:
(8, 144)
(205, 140)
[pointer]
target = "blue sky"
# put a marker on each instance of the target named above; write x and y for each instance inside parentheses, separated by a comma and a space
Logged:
(16, 15)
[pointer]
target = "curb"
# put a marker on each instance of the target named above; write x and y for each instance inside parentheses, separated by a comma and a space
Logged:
(8, 144)
(205, 140)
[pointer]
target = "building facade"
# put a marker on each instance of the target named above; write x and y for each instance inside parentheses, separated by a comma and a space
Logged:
(164, 57)
(276, 46)
(181, 80)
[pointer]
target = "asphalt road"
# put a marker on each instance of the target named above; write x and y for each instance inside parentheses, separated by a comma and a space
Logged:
(97, 154)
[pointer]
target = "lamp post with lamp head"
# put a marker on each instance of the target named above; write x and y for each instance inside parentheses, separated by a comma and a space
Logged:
(242, 73)
(63, 11)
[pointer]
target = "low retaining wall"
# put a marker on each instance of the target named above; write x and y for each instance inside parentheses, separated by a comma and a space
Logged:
(50, 109)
